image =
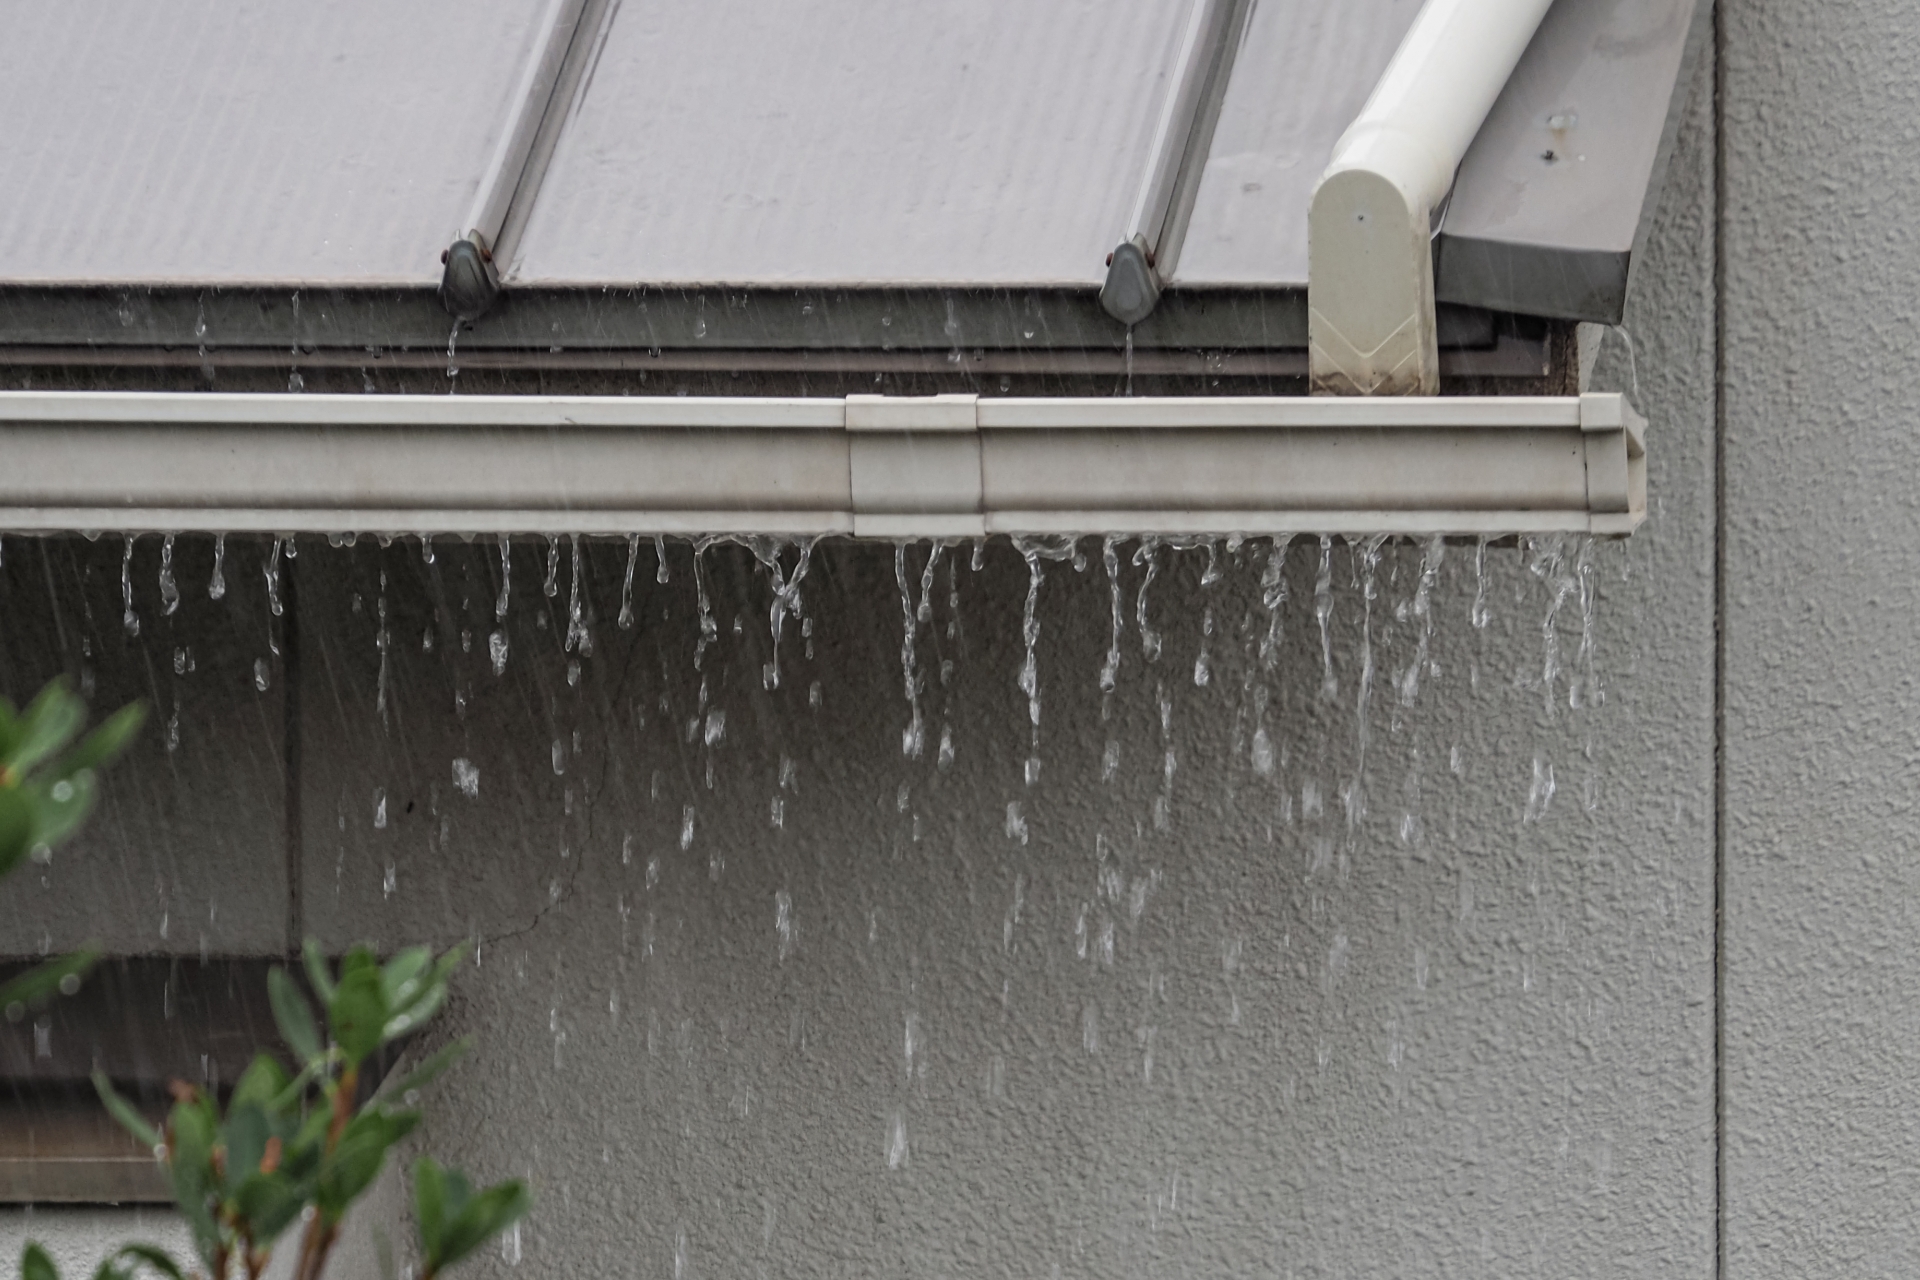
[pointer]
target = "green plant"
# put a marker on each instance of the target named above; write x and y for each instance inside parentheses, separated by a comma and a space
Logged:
(47, 788)
(290, 1147)
(307, 1145)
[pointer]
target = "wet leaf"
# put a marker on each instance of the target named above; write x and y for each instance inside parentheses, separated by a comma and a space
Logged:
(61, 805)
(10, 728)
(49, 724)
(269, 1202)
(317, 974)
(158, 1259)
(428, 1071)
(485, 1216)
(106, 741)
(244, 1136)
(35, 1264)
(358, 1013)
(400, 979)
(411, 1018)
(350, 1168)
(120, 1109)
(433, 1203)
(16, 827)
(292, 1015)
(38, 984)
(261, 1084)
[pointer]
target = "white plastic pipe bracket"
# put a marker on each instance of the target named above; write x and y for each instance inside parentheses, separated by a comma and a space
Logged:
(1371, 328)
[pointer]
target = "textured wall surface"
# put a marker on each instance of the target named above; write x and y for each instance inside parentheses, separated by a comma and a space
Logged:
(1822, 262)
(187, 853)
(1413, 977)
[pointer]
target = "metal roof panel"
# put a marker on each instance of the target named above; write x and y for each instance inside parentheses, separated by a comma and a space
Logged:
(1304, 70)
(195, 141)
(855, 142)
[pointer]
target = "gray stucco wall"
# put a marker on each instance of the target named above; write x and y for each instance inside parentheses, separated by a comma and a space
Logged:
(1211, 1026)
(1489, 1047)
(1821, 958)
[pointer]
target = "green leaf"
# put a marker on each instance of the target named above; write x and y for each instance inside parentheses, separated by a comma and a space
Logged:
(484, 1217)
(292, 1015)
(192, 1131)
(400, 978)
(411, 1018)
(50, 722)
(358, 1012)
(359, 956)
(430, 1208)
(244, 1136)
(318, 975)
(61, 805)
(262, 1084)
(428, 1071)
(16, 827)
(38, 983)
(350, 1168)
(107, 741)
(36, 1265)
(269, 1202)
(123, 1111)
(10, 728)
(158, 1259)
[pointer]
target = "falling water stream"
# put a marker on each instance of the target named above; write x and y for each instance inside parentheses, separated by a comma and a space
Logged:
(702, 769)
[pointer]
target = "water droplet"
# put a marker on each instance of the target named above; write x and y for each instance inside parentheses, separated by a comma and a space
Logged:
(262, 674)
(1540, 793)
(217, 585)
(128, 618)
(169, 589)
(783, 922)
(897, 1155)
(466, 778)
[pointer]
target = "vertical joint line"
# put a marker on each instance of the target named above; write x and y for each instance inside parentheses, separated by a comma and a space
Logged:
(1719, 224)
(290, 749)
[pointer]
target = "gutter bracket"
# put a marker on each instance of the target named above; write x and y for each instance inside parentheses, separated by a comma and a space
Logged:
(913, 466)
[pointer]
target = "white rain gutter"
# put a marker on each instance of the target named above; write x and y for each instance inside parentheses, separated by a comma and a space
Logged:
(1370, 228)
(868, 466)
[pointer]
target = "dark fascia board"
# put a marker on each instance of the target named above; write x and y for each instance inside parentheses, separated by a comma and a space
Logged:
(1562, 284)
(535, 321)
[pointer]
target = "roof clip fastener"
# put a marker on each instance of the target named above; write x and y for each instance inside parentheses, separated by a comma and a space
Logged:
(1132, 287)
(471, 283)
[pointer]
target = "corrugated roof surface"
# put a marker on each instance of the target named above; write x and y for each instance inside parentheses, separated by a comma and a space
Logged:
(1304, 70)
(837, 141)
(280, 140)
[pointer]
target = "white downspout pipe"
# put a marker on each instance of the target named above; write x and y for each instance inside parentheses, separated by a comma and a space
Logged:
(1370, 227)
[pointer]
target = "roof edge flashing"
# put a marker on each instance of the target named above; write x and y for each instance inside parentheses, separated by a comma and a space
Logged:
(1371, 322)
